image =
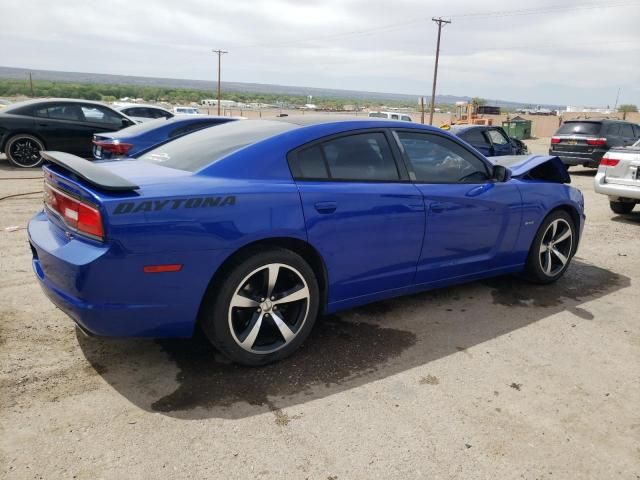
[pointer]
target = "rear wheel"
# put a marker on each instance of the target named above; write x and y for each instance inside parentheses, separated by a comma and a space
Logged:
(24, 151)
(552, 248)
(265, 308)
(621, 207)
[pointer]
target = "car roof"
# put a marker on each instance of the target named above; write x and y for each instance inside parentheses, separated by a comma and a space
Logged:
(38, 101)
(142, 105)
(307, 120)
(456, 129)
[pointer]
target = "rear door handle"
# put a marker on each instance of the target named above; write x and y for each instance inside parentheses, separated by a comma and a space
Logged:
(326, 207)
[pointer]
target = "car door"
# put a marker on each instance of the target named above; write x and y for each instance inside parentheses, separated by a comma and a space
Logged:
(472, 221)
(361, 212)
(479, 139)
(500, 142)
(62, 126)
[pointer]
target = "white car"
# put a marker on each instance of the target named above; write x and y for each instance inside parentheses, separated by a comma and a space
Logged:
(618, 177)
(391, 116)
(186, 111)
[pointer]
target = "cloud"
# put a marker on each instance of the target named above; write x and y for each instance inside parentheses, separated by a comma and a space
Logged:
(542, 52)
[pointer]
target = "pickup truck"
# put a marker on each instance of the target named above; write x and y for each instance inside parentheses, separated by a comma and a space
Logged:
(618, 177)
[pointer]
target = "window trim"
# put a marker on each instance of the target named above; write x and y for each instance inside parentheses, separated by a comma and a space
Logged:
(409, 165)
(293, 158)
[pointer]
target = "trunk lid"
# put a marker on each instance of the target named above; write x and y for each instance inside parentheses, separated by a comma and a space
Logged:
(622, 166)
(103, 185)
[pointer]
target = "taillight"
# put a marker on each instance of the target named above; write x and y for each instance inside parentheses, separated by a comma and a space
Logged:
(555, 140)
(114, 148)
(76, 214)
(609, 162)
(597, 142)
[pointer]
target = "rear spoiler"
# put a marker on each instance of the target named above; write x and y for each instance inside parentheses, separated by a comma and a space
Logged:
(91, 172)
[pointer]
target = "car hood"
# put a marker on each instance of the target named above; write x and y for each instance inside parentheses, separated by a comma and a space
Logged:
(540, 167)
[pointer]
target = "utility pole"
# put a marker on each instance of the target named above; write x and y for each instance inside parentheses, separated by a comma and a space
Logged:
(440, 22)
(220, 53)
(31, 85)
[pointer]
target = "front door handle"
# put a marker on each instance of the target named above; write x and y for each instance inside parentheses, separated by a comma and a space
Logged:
(326, 207)
(437, 207)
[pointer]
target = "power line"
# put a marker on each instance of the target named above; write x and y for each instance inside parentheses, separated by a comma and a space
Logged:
(460, 16)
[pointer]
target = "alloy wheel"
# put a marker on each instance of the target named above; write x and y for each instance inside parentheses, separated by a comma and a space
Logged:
(25, 152)
(555, 247)
(269, 308)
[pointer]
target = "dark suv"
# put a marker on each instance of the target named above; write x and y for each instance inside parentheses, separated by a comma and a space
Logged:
(584, 142)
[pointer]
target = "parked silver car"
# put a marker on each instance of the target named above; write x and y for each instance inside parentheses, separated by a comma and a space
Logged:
(618, 177)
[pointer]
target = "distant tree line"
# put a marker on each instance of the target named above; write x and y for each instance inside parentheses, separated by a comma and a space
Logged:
(112, 92)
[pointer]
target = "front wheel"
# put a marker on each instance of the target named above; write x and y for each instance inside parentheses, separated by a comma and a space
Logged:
(24, 151)
(552, 248)
(264, 309)
(621, 207)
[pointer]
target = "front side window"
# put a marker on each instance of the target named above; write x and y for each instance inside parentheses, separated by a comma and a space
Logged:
(360, 157)
(475, 136)
(96, 114)
(497, 138)
(437, 159)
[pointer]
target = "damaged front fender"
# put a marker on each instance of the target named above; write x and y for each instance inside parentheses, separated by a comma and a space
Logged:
(534, 167)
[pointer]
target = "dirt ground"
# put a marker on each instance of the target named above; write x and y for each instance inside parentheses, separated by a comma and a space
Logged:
(496, 379)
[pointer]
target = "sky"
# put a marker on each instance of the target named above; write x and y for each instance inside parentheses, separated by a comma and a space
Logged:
(564, 52)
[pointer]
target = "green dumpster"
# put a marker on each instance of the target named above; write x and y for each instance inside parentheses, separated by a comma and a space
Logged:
(517, 127)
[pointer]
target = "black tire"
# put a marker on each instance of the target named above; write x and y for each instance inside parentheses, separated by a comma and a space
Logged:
(229, 328)
(23, 150)
(544, 265)
(621, 207)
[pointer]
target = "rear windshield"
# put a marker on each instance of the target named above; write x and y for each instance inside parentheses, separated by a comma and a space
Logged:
(144, 126)
(580, 128)
(199, 149)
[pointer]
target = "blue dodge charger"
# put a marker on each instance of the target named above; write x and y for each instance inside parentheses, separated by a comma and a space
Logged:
(252, 229)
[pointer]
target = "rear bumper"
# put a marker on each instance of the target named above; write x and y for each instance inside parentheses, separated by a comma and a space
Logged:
(107, 293)
(613, 189)
(577, 158)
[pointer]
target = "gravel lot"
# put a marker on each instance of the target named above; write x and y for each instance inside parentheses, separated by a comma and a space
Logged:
(495, 379)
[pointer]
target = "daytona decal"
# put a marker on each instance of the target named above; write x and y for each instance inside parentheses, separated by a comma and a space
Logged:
(157, 205)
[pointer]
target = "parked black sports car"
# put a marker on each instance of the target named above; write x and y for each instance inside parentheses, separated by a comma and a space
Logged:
(26, 128)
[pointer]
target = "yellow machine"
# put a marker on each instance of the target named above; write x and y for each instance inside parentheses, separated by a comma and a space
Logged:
(467, 114)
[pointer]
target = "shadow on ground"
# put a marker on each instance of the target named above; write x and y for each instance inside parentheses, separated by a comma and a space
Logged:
(632, 218)
(344, 351)
(584, 172)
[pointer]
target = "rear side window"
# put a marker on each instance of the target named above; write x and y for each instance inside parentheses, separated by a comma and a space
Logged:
(580, 128)
(202, 148)
(626, 131)
(362, 157)
(614, 129)
(497, 137)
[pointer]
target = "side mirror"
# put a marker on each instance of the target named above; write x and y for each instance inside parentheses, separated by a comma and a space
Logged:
(500, 173)
(127, 123)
